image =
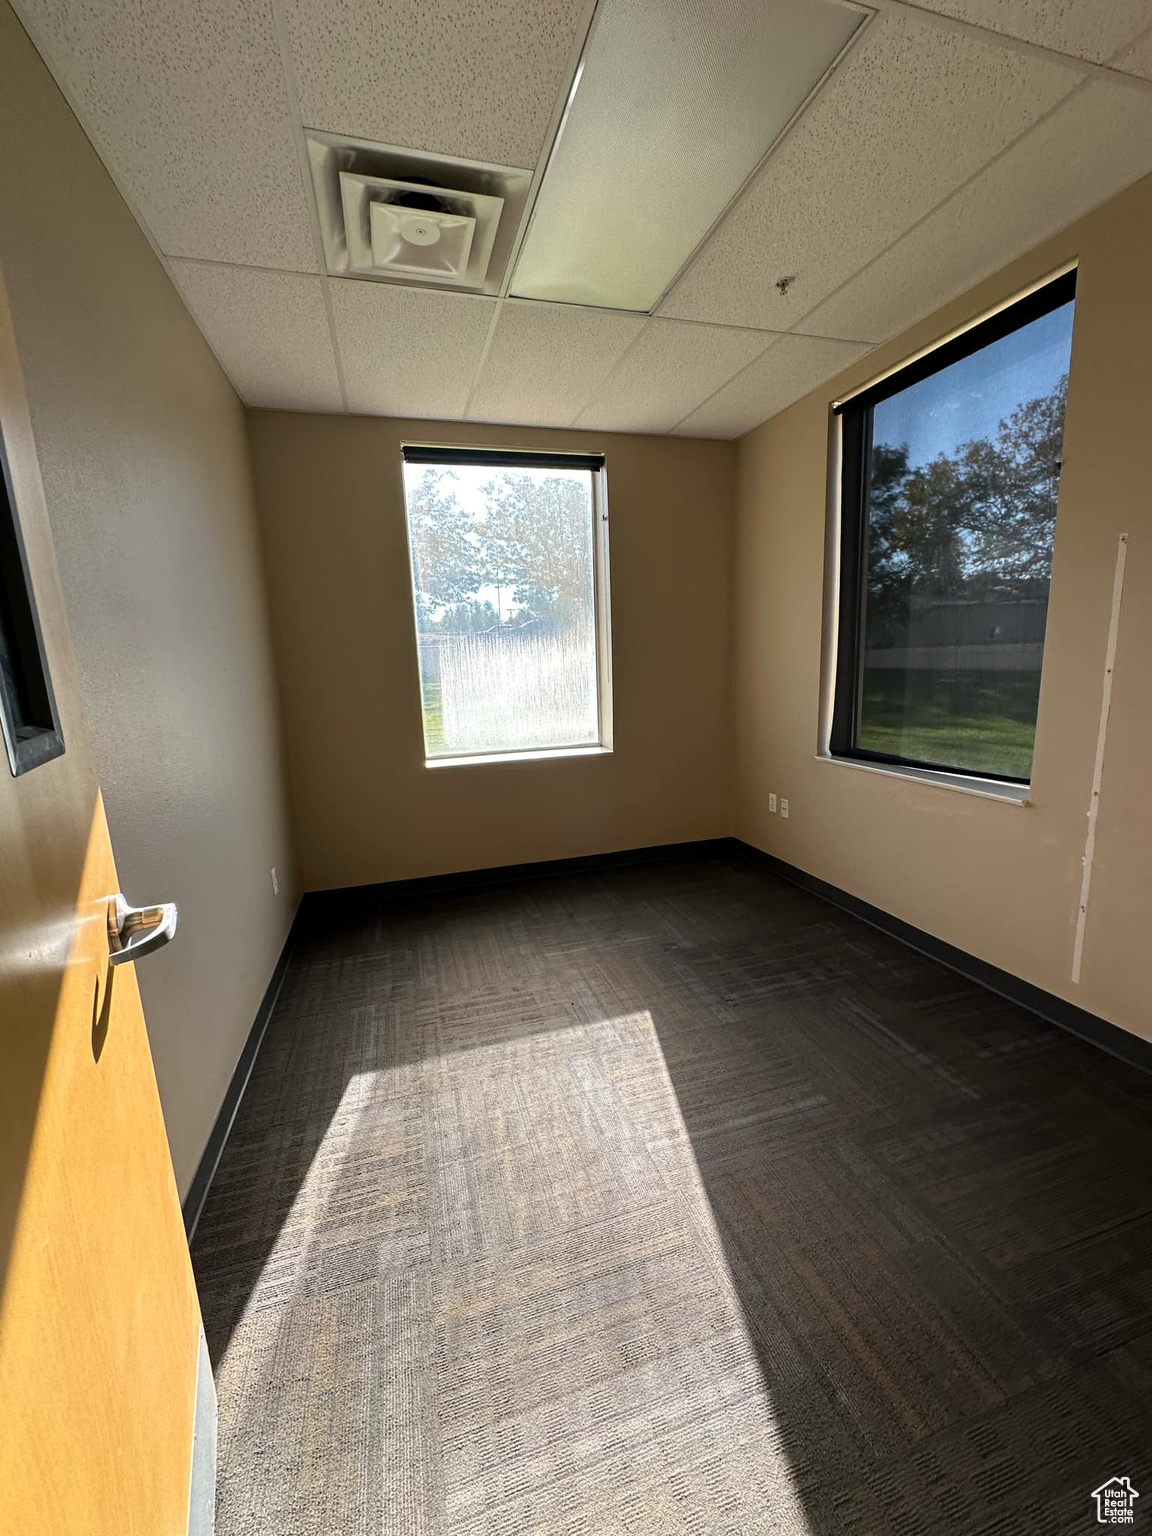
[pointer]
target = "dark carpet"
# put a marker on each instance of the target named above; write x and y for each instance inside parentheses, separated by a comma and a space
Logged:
(671, 1201)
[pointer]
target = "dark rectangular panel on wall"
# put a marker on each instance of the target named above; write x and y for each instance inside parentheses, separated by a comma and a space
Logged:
(496, 458)
(28, 719)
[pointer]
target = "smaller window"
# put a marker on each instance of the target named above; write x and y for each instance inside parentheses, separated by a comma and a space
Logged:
(509, 577)
(28, 719)
(950, 473)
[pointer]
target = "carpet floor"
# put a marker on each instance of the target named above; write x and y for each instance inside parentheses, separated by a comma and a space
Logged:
(670, 1201)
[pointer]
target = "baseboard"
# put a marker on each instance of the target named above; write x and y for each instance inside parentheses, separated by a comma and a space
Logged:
(503, 874)
(209, 1162)
(1130, 1048)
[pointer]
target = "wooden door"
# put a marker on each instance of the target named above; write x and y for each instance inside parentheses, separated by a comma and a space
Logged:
(99, 1324)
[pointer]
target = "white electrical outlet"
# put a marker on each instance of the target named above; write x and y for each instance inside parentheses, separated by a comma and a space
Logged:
(772, 803)
(784, 808)
(275, 882)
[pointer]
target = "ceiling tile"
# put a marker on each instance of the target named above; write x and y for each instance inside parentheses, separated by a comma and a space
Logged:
(474, 78)
(408, 351)
(912, 113)
(1092, 146)
(1137, 60)
(668, 371)
(790, 369)
(1087, 29)
(269, 330)
(186, 105)
(546, 359)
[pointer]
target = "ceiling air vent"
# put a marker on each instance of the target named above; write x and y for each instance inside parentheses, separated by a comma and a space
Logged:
(405, 216)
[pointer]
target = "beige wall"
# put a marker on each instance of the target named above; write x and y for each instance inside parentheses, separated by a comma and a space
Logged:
(142, 447)
(366, 808)
(999, 880)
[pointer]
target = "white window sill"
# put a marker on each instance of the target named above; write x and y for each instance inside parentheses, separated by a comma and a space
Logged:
(965, 783)
(542, 754)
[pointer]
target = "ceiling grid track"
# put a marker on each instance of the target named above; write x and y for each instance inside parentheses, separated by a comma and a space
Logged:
(245, 266)
(548, 144)
(288, 74)
(1063, 122)
(770, 337)
(738, 196)
(1086, 68)
(1021, 45)
(483, 358)
(612, 367)
(943, 203)
(739, 374)
(946, 23)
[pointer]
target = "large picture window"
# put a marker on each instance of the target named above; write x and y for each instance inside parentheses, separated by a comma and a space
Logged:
(510, 584)
(950, 474)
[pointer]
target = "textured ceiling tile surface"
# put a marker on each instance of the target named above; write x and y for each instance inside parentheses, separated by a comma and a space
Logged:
(187, 105)
(1137, 60)
(545, 361)
(408, 351)
(474, 78)
(791, 367)
(1087, 29)
(670, 369)
(912, 113)
(269, 330)
(1093, 146)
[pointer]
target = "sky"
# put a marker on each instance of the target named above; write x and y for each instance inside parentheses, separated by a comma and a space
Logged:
(972, 397)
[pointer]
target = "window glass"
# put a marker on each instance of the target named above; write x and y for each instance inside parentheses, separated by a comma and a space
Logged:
(961, 475)
(504, 574)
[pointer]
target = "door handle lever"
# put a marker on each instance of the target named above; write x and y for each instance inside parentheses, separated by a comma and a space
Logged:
(134, 932)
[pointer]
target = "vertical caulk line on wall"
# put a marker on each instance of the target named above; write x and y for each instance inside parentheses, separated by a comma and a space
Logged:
(1098, 769)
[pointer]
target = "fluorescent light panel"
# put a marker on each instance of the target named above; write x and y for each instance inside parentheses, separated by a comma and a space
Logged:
(674, 107)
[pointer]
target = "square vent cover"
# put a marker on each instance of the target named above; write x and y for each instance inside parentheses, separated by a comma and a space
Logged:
(413, 229)
(432, 242)
(405, 216)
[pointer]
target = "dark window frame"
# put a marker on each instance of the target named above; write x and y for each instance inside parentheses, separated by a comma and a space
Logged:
(499, 458)
(856, 416)
(29, 720)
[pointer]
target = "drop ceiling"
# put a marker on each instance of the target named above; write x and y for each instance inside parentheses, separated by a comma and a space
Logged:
(950, 137)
